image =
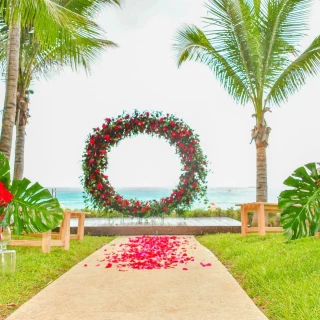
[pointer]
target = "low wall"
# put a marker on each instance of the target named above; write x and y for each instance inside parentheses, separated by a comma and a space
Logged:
(156, 230)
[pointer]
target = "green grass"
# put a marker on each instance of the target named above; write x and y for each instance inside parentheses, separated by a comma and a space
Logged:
(283, 278)
(35, 270)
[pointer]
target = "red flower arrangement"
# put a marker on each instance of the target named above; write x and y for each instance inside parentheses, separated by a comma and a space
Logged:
(192, 182)
(5, 195)
(5, 198)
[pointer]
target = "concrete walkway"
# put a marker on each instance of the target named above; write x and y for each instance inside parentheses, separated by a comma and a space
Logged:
(96, 293)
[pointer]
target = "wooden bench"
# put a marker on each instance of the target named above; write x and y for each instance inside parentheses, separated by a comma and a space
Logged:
(61, 239)
(80, 230)
(261, 208)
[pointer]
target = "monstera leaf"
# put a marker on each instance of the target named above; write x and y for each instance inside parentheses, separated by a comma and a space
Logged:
(4, 170)
(32, 208)
(300, 216)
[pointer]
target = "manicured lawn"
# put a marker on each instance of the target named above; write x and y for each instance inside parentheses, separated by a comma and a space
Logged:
(35, 270)
(283, 278)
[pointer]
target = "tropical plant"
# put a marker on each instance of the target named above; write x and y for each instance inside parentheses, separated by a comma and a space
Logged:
(53, 24)
(300, 216)
(29, 206)
(251, 46)
(38, 61)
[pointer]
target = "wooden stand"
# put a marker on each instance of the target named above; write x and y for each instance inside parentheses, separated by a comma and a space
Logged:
(62, 239)
(261, 208)
(80, 216)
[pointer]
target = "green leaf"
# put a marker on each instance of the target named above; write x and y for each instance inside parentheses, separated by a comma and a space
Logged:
(300, 216)
(32, 208)
(304, 175)
(4, 170)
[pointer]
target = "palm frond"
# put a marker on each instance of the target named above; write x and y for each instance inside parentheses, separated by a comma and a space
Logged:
(80, 50)
(232, 28)
(52, 60)
(51, 21)
(295, 75)
(192, 44)
(88, 8)
(258, 7)
(281, 29)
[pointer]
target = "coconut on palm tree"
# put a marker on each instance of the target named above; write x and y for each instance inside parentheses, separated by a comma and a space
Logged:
(53, 24)
(252, 48)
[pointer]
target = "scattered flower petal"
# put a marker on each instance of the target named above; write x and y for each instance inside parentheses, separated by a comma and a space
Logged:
(150, 252)
(205, 264)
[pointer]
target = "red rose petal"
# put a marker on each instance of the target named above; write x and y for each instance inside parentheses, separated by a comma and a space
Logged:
(151, 252)
(205, 264)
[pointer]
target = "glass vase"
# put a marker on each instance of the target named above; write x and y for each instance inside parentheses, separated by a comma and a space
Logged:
(7, 257)
(5, 237)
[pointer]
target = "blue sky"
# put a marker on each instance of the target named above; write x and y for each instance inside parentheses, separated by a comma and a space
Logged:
(142, 74)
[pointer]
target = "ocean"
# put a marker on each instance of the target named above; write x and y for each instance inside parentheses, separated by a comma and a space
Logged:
(72, 198)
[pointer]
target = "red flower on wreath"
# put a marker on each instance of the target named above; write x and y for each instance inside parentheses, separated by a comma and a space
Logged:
(99, 186)
(95, 161)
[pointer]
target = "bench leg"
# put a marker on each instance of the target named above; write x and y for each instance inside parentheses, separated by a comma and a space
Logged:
(261, 220)
(244, 221)
(65, 231)
(80, 231)
(46, 239)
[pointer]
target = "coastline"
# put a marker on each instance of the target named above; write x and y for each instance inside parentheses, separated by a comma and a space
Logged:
(224, 197)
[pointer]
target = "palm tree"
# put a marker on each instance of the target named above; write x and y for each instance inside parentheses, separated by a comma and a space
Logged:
(51, 23)
(37, 62)
(251, 46)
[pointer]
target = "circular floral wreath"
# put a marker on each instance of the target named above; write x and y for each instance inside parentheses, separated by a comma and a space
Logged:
(192, 182)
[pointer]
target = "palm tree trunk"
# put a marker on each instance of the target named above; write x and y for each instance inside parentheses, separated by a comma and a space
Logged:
(22, 116)
(9, 112)
(262, 183)
(19, 153)
(260, 134)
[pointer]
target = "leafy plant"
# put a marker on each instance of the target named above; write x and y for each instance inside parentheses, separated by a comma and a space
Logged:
(253, 49)
(300, 216)
(29, 206)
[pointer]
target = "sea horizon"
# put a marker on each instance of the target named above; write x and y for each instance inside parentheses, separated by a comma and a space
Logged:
(223, 197)
(154, 188)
